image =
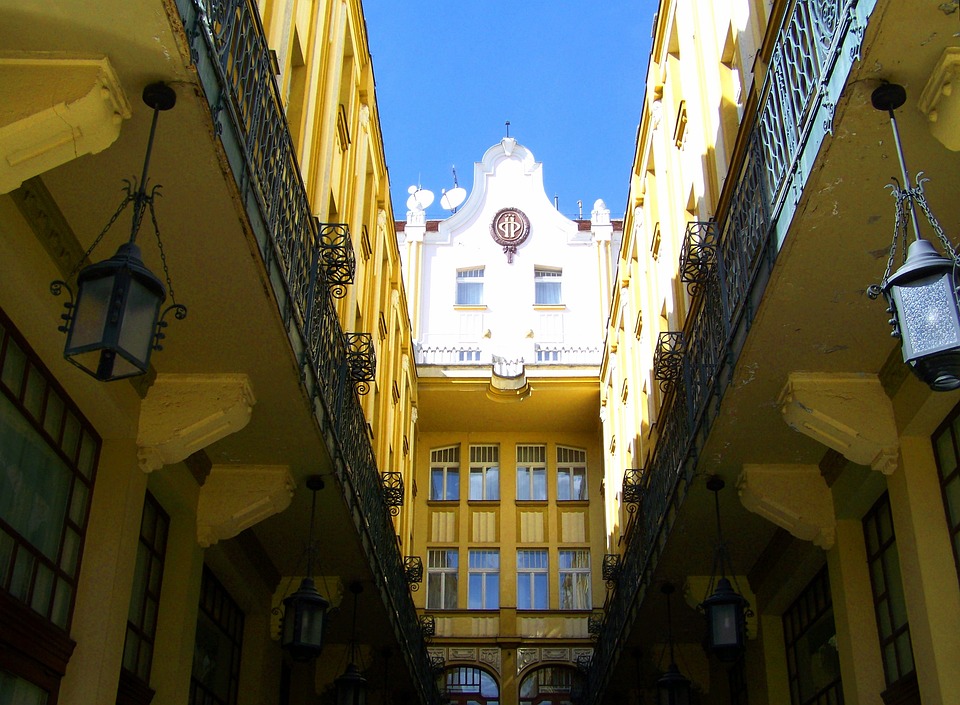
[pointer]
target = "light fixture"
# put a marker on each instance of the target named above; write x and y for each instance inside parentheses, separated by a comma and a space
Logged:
(725, 608)
(351, 685)
(304, 612)
(922, 294)
(673, 688)
(115, 322)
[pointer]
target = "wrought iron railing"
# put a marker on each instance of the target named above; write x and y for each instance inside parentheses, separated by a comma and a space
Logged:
(232, 58)
(817, 39)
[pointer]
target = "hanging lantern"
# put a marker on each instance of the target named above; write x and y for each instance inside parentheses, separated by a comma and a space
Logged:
(673, 688)
(304, 613)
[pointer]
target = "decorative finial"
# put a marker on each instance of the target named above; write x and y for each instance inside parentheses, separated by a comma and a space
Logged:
(508, 128)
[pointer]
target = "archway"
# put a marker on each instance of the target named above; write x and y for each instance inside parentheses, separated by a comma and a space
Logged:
(468, 685)
(549, 685)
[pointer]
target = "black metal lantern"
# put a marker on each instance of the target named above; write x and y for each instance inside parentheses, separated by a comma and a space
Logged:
(304, 612)
(725, 608)
(922, 294)
(673, 688)
(115, 322)
(351, 685)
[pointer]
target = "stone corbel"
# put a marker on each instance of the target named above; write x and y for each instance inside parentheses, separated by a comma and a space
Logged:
(794, 497)
(235, 497)
(184, 413)
(58, 108)
(850, 413)
(940, 100)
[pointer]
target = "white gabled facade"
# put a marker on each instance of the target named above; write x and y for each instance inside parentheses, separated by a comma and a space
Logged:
(538, 292)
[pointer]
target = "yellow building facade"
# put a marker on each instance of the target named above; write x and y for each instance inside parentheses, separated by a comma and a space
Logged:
(742, 346)
(150, 528)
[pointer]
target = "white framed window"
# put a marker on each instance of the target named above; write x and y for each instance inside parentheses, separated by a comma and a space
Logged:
(531, 472)
(575, 579)
(485, 472)
(548, 354)
(546, 286)
(468, 355)
(445, 473)
(532, 579)
(483, 587)
(470, 286)
(571, 473)
(442, 565)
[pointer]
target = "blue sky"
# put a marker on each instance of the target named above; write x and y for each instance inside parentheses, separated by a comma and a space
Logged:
(569, 76)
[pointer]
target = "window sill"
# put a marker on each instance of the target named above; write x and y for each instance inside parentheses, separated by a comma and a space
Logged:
(905, 691)
(483, 501)
(532, 502)
(549, 307)
(443, 502)
(573, 502)
(469, 307)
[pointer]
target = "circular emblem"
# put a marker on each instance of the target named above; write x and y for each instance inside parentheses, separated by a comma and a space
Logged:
(510, 227)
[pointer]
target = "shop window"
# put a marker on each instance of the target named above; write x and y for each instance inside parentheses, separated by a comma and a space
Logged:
(810, 638)
(887, 585)
(216, 653)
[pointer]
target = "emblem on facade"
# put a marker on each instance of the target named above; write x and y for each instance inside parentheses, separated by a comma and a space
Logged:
(510, 227)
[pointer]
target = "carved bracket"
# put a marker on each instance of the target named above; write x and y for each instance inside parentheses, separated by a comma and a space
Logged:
(794, 497)
(184, 413)
(236, 497)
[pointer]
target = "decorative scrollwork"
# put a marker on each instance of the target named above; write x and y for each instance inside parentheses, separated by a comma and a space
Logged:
(583, 662)
(611, 568)
(362, 359)
(413, 571)
(668, 360)
(437, 663)
(56, 288)
(392, 483)
(336, 257)
(428, 626)
(632, 489)
(595, 623)
(699, 255)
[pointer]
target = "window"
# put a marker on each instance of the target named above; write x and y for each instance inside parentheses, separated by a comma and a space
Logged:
(888, 599)
(548, 353)
(216, 651)
(470, 287)
(532, 579)
(546, 286)
(468, 355)
(575, 580)
(145, 597)
(485, 472)
(571, 473)
(810, 638)
(442, 564)
(531, 473)
(469, 686)
(445, 473)
(483, 587)
(946, 446)
(550, 685)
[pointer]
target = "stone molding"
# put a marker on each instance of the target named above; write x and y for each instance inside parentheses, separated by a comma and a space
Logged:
(940, 99)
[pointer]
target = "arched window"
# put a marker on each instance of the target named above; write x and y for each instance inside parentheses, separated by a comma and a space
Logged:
(550, 685)
(469, 686)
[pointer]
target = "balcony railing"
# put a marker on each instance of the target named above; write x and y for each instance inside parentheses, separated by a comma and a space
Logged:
(816, 46)
(232, 58)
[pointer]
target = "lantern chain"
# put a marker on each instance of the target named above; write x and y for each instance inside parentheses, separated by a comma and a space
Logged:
(163, 254)
(113, 219)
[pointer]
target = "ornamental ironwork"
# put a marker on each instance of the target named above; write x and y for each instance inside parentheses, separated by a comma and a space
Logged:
(413, 571)
(336, 257)
(437, 663)
(392, 491)
(699, 256)
(583, 662)
(632, 489)
(668, 360)
(595, 623)
(361, 359)
(428, 626)
(611, 568)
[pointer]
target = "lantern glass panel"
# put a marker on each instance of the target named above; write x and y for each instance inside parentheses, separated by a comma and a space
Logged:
(723, 624)
(139, 322)
(90, 314)
(311, 624)
(927, 311)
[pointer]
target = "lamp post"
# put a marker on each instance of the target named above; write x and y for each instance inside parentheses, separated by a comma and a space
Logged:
(304, 611)
(673, 688)
(351, 685)
(922, 294)
(115, 322)
(725, 608)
